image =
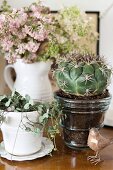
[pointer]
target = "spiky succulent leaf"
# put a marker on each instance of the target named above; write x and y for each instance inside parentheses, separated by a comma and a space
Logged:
(83, 77)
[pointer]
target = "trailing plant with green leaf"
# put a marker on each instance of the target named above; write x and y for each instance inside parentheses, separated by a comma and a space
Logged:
(83, 75)
(47, 112)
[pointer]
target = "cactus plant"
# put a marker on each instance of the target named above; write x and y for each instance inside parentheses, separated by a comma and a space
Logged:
(83, 75)
(83, 98)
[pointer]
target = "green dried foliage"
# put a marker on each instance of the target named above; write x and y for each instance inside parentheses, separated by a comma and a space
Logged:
(5, 7)
(83, 75)
(74, 29)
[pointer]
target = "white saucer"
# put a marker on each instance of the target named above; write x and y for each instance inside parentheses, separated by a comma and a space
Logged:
(47, 147)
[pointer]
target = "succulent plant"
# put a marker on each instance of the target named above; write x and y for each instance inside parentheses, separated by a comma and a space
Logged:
(48, 112)
(83, 75)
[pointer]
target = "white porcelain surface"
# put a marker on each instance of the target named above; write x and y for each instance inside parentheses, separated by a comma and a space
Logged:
(17, 140)
(20, 142)
(15, 119)
(46, 148)
(31, 79)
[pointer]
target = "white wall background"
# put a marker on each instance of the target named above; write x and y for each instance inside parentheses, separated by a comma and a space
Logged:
(106, 22)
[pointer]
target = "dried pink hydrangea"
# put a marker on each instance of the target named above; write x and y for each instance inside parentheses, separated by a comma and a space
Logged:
(23, 31)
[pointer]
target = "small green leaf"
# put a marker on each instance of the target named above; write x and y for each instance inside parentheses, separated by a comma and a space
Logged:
(31, 102)
(2, 97)
(13, 93)
(37, 130)
(41, 118)
(7, 104)
(45, 115)
(26, 106)
(18, 109)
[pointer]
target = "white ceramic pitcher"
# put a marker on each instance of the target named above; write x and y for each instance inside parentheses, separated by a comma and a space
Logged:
(31, 79)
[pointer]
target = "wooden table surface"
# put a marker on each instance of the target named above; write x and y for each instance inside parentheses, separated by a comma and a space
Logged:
(65, 159)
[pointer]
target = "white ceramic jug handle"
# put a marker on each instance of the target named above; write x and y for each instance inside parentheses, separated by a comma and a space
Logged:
(8, 77)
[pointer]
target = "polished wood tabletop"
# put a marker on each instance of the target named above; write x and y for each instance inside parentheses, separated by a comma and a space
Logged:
(65, 158)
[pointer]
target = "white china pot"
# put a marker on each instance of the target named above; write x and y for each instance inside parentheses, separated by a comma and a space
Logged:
(21, 143)
(15, 119)
(31, 79)
(17, 141)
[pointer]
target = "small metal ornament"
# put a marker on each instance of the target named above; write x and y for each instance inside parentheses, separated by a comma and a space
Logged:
(97, 142)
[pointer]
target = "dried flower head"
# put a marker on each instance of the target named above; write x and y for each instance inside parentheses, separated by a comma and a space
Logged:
(23, 33)
(74, 29)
